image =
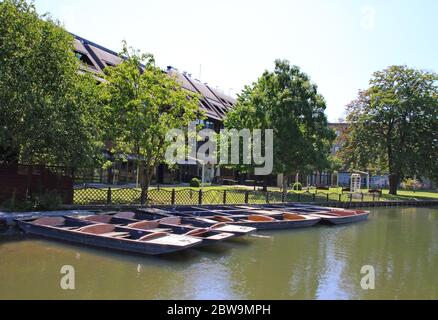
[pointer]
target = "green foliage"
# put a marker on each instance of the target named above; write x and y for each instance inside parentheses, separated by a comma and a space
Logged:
(49, 201)
(286, 101)
(141, 105)
(297, 186)
(335, 163)
(394, 125)
(49, 111)
(195, 183)
(411, 184)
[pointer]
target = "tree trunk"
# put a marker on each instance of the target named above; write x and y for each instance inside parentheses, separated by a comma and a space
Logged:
(394, 179)
(285, 178)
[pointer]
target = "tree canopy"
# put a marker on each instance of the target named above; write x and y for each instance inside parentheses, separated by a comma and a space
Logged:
(394, 125)
(286, 101)
(142, 103)
(48, 110)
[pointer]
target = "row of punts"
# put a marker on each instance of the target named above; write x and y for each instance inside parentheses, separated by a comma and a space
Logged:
(161, 230)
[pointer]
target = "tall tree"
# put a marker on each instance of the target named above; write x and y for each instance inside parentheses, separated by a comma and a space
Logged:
(394, 125)
(142, 104)
(47, 108)
(286, 101)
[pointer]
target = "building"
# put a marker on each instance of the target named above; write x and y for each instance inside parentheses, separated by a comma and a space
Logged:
(94, 59)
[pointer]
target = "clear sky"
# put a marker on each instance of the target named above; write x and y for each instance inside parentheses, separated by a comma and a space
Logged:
(339, 44)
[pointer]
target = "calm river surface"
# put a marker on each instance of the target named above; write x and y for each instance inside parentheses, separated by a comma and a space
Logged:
(316, 263)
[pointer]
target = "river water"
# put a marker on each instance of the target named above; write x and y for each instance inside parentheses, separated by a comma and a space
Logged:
(401, 244)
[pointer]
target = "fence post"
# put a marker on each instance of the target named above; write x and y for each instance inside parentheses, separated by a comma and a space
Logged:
(374, 197)
(200, 197)
(340, 197)
(267, 197)
(108, 196)
(225, 197)
(328, 197)
(299, 197)
(172, 200)
(314, 197)
(351, 197)
(362, 196)
(246, 197)
(142, 196)
(283, 197)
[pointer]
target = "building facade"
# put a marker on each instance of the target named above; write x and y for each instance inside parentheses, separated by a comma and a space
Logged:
(214, 103)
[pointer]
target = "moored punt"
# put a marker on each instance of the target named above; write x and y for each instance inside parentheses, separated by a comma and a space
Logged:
(263, 222)
(340, 216)
(108, 236)
(166, 225)
(143, 214)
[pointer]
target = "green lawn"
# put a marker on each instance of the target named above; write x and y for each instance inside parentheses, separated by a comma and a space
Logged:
(410, 195)
(210, 195)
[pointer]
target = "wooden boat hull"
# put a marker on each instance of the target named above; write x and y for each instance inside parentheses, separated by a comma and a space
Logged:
(208, 217)
(280, 224)
(238, 231)
(333, 220)
(102, 242)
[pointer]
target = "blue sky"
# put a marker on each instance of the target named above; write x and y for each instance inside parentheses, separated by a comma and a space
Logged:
(339, 44)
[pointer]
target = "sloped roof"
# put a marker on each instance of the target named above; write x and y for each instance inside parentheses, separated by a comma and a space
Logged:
(95, 58)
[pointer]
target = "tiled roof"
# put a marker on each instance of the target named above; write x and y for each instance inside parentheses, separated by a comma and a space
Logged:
(95, 58)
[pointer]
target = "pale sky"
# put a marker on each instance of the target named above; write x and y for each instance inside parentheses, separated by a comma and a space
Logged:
(338, 43)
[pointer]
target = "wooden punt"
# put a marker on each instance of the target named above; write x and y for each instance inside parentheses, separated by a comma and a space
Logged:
(271, 220)
(108, 236)
(168, 225)
(195, 223)
(263, 222)
(341, 216)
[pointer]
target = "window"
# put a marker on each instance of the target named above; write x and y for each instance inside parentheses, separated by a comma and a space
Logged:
(84, 59)
(109, 64)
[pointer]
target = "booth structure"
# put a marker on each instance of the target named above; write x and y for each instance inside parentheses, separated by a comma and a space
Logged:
(355, 183)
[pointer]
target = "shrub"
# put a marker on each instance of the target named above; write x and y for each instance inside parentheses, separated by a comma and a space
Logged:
(195, 183)
(41, 202)
(47, 201)
(411, 184)
(297, 186)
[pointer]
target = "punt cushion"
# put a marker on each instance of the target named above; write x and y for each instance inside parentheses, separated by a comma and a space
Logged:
(197, 232)
(258, 218)
(292, 216)
(171, 220)
(125, 215)
(153, 236)
(144, 225)
(218, 225)
(98, 229)
(50, 221)
(99, 218)
(223, 219)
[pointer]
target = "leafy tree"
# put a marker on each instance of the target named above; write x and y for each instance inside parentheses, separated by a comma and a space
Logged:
(394, 125)
(142, 104)
(286, 101)
(48, 110)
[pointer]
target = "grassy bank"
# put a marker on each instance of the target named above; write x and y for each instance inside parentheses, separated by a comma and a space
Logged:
(234, 195)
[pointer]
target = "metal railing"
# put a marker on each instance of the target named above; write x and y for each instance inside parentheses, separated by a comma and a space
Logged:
(132, 196)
